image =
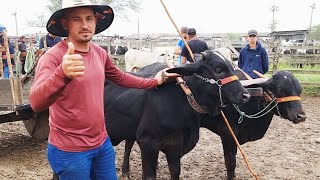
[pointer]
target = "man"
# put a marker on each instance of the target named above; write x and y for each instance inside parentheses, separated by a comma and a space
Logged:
(196, 45)
(180, 43)
(23, 49)
(50, 39)
(253, 56)
(32, 43)
(69, 80)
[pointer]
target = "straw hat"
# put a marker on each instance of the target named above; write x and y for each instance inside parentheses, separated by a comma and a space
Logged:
(103, 13)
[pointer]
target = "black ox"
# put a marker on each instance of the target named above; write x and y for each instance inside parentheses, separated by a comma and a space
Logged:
(281, 93)
(162, 119)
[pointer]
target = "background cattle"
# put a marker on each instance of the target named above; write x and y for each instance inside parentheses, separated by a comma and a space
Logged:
(136, 59)
(162, 119)
(116, 50)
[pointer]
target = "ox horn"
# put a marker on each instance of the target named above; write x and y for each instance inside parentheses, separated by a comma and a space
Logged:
(260, 75)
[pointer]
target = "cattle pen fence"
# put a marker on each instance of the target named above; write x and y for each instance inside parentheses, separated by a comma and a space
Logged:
(295, 56)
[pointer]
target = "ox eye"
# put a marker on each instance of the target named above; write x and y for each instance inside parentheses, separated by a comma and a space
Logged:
(219, 70)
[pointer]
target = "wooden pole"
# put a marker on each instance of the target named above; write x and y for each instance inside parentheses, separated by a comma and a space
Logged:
(12, 85)
(1, 63)
(239, 146)
(6, 44)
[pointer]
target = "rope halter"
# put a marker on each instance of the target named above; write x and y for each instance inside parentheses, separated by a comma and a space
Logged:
(265, 110)
(219, 83)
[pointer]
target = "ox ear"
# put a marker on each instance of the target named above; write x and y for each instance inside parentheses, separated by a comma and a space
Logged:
(268, 85)
(198, 57)
(185, 70)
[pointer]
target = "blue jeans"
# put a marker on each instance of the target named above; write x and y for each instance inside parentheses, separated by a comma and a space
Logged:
(98, 163)
(6, 71)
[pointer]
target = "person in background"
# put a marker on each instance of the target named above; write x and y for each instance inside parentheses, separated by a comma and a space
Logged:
(5, 56)
(79, 146)
(180, 43)
(22, 46)
(50, 39)
(253, 56)
(32, 42)
(196, 45)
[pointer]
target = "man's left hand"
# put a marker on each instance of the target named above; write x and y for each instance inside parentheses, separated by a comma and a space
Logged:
(162, 76)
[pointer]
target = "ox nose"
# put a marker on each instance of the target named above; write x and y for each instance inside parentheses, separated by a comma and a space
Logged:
(245, 97)
(301, 117)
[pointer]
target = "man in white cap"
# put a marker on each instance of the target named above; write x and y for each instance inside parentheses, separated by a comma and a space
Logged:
(253, 56)
(69, 80)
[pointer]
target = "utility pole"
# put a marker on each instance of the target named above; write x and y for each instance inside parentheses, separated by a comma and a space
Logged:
(138, 32)
(273, 9)
(313, 6)
(15, 17)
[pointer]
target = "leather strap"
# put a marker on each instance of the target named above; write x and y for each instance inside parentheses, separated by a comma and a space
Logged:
(229, 79)
(288, 98)
(193, 103)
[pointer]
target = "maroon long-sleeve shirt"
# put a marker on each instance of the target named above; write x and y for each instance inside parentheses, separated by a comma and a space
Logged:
(76, 106)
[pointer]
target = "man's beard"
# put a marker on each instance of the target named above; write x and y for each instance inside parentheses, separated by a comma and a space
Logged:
(86, 39)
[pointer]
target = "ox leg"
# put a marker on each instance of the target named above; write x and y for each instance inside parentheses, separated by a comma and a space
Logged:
(173, 159)
(149, 156)
(125, 163)
(230, 152)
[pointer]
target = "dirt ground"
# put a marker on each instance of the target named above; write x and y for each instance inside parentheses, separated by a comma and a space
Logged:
(288, 151)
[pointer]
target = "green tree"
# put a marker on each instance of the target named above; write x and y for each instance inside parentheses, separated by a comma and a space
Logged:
(315, 33)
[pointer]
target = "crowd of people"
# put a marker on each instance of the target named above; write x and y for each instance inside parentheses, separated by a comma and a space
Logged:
(27, 46)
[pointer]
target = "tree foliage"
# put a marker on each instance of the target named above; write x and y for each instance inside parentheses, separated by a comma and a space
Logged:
(315, 33)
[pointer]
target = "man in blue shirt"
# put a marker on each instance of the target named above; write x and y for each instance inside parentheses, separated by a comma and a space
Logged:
(180, 43)
(253, 56)
(50, 39)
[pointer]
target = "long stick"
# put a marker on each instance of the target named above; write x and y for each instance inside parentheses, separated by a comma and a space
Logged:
(238, 144)
(6, 44)
(12, 85)
(1, 63)
(185, 42)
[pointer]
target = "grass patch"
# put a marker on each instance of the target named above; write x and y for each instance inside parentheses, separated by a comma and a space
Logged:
(284, 64)
(311, 91)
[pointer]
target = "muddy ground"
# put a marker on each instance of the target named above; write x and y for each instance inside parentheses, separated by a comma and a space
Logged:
(288, 151)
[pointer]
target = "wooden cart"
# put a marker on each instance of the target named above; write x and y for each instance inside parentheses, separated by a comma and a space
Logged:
(14, 101)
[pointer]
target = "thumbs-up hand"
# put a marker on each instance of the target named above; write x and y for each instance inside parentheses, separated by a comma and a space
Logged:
(72, 64)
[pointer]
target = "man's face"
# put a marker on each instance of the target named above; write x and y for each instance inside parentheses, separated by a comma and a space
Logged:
(185, 35)
(23, 39)
(33, 39)
(252, 39)
(80, 23)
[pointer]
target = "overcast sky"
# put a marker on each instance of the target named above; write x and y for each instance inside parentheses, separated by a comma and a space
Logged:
(206, 16)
